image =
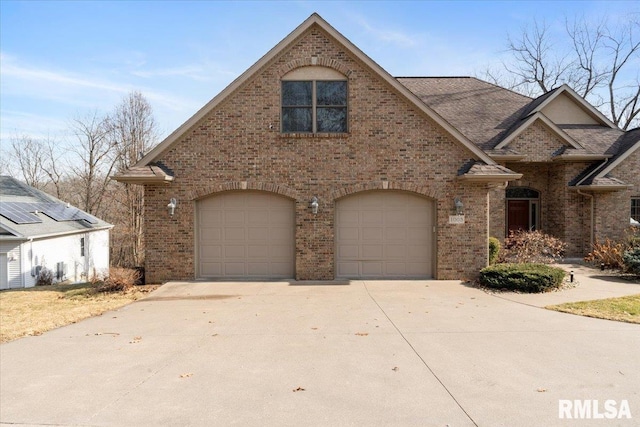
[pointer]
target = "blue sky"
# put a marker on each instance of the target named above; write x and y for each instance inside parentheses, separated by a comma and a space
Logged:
(63, 59)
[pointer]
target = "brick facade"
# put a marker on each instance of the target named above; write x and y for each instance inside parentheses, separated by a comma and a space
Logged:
(390, 146)
(393, 144)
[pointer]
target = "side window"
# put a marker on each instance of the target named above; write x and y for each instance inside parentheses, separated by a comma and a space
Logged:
(314, 106)
(82, 246)
(635, 208)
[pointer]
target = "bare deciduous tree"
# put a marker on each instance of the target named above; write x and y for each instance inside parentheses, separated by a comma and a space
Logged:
(598, 60)
(30, 156)
(134, 132)
(93, 160)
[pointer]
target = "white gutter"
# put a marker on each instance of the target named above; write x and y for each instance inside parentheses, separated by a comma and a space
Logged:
(68, 233)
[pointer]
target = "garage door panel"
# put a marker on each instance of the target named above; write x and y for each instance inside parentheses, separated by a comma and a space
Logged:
(246, 234)
(395, 233)
(232, 217)
(234, 234)
(210, 234)
(348, 269)
(419, 234)
(384, 234)
(349, 233)
(395, 217)
(372, 268)
(372, 251)
(396, 251)
(347, 252)
(371, 217)
(257, 233)
(211, 269)
(348, 217)
(257, 218)
(280, 217)
(235, 269)
(372, 233)
(211, 251)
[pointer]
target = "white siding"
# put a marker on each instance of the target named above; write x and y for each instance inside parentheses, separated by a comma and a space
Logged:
(13, 259)
(49, 252)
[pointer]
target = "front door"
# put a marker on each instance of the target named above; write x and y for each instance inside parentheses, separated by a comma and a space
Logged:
(518, 215)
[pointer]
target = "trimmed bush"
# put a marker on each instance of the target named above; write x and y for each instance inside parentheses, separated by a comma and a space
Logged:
(494, 250)
(532, 247)
(632, 260)
(531, 278)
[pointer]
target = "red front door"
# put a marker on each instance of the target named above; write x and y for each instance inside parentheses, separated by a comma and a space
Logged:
(518, 215)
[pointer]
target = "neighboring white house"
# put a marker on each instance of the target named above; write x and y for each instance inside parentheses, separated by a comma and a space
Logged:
(39, 231)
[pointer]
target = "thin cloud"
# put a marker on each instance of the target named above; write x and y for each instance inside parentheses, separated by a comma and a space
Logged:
(11, 68)
(398, 38)
(196, 72)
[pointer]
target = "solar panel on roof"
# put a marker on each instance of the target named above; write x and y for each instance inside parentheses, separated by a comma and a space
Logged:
(20, 213)
(60, 212)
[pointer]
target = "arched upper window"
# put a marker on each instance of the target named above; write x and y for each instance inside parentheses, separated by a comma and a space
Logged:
(522, 193)
(314, 100)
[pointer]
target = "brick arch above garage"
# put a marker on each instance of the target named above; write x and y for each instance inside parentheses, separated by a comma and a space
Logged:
(347, 190)
(209, 190)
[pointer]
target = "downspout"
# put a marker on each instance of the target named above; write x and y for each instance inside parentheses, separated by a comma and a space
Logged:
(591, 234)
(590, 196)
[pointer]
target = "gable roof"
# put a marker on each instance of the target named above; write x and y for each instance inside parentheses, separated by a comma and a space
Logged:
(41, 209)
(316, 20)
(537, 116)
(597, 175)
(549, 97)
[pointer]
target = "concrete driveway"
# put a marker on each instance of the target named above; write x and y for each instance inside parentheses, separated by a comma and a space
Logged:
(379, 353)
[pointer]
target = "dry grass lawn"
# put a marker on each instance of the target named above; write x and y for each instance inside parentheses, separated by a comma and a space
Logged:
(33, 311)
(624, 309)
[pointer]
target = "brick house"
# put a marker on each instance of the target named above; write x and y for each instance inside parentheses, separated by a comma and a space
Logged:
(317, 164)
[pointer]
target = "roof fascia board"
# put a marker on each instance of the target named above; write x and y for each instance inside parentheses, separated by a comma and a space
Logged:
(490, 177)
(591, 110)
(619, 160)
(544, 119)
(141, 179)
(580, 157)
(602, 188)
(508, 157)
(276, 50)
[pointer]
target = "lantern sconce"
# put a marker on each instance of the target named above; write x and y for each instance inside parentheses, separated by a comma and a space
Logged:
(172, 206)
(459, 206)
(314, 205)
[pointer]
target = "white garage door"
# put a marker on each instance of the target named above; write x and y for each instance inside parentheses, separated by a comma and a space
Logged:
(246, 235)
(384, 234)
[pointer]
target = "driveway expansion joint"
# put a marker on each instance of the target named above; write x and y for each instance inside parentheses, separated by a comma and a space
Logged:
(424, 362)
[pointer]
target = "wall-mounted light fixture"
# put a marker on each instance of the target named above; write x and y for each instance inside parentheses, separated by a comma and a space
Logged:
(172, 206)
(314, 205)
(459, 206)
